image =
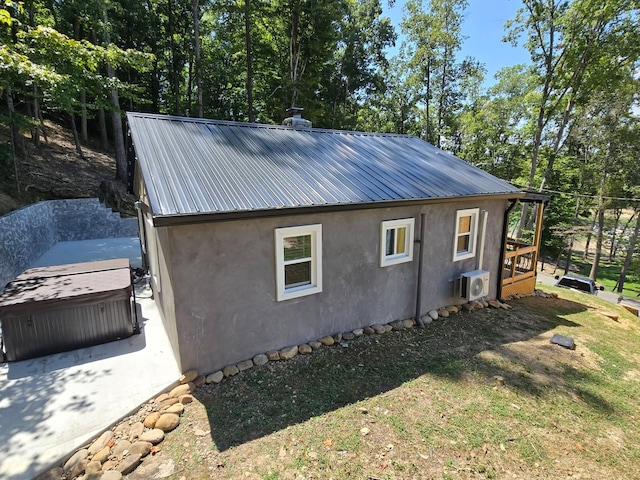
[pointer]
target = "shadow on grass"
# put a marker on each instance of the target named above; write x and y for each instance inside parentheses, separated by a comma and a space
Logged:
(266, 399)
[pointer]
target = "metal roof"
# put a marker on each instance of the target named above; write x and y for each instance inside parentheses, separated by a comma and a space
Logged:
(193, 167)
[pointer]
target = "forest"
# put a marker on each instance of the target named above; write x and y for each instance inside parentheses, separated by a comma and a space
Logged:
(566, 123)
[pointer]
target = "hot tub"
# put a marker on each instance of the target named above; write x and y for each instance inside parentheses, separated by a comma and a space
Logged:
(56, 309)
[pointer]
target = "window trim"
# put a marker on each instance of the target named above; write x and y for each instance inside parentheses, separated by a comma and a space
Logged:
(283, 293)
(474, 213)
(388, 260)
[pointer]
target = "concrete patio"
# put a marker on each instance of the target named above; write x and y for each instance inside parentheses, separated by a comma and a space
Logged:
(51, 405)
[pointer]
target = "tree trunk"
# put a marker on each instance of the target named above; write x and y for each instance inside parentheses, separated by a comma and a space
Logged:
(84, 132)
(593, 275)
(247, 36)
(118, 134)
(572, 236)
(14, 136)
(102, 125)
(585, 254)
(627, 260)
(76, 138)
(36, 117)
(614, 232)
(176, 68)
(198, 66)
(624, 230)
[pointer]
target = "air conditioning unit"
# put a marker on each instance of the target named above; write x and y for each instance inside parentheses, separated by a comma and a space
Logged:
(474, 285)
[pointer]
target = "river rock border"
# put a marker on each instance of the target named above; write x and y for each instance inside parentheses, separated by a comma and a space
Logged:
(120, 450)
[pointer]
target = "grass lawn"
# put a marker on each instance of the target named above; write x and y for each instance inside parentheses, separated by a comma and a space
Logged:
(608, 274)
(426, 403)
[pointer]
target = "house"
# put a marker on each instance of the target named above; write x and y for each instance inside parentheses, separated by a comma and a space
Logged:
(259, 237)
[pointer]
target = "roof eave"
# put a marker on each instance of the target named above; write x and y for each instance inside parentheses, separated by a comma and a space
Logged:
(160, 220)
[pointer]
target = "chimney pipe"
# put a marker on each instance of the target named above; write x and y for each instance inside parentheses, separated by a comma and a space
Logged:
(295, 119)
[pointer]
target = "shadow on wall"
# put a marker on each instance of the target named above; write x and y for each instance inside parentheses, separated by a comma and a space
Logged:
(267, 399)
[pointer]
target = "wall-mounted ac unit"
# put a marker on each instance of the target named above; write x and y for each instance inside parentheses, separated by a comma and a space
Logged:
(474, 285)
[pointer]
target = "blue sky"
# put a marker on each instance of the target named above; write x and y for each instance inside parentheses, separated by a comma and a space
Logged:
(484, 29)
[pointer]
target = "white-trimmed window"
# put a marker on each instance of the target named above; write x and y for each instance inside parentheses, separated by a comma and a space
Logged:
(298, 261)
(464, 242)
(396, 241)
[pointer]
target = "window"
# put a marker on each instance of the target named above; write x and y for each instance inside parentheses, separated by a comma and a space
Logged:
(396, 242)
(466, 229)
(298, 261)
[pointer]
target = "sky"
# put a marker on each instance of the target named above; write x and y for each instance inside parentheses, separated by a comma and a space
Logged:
(484, 29)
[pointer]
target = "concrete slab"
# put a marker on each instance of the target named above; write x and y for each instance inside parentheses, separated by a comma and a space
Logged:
(90, 250)
(50, 406)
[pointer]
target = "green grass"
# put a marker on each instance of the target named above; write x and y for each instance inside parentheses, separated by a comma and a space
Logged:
(424, 403)
(608, 273)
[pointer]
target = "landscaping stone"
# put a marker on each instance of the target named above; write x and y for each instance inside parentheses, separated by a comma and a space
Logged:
(443, 312)
(478, 305)
(178, 409)
(387, 328)
(120, 447)
(135, 431)
(184, 399)
(75, 458)
(92, 476)
(467, 307)
(101, 442)
(188, 376)
(121, 430)
(181, 390)
(260, 359)
(337, 337)
(426, 319)
(151, 419)
(433, 314)
(368, 330)
(245, 365)
(141, 448)
(348, 336)
(494, 303)
(111, 475)
(129, 464)
(408, 323)
(315, 345)
(453, 309)
(54, 474)
(230, 371)
(566, 342)
(199, 381)
(103, 454)
(273, 356)
(327, 341)
(93, 466)
(215, 377)
(167, 403)
(397, 326)
(152, 436)
(378, 328)
(289, 353)
(78, 468)
(109, 464)
(505, 306)
(167, 422)
(358, 331)
(304, 349)
(161, 398)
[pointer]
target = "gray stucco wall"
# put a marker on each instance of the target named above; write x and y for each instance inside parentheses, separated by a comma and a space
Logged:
(222, 278)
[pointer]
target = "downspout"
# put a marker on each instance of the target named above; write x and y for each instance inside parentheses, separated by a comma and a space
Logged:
(505, 229)
(483, 232)
(420, 242)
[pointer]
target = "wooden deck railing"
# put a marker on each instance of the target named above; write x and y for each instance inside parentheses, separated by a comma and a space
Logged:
(519, 262)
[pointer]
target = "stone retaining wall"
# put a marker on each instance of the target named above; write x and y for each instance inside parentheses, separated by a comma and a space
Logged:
(26, 234)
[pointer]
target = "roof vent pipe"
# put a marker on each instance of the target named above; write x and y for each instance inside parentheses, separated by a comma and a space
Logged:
(295, 119)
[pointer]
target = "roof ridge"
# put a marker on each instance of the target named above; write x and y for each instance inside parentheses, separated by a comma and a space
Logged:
(231, 123)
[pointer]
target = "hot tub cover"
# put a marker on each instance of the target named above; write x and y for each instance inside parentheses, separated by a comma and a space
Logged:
(65, 286)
